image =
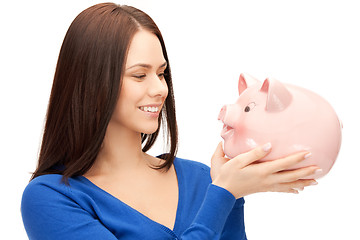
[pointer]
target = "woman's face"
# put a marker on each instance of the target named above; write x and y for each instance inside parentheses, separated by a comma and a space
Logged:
(144, 88)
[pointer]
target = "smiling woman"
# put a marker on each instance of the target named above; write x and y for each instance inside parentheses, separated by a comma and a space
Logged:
(143, 87)
(81, 106)
(112, 91)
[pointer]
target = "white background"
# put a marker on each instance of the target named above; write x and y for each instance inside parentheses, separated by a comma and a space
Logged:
(313, 44)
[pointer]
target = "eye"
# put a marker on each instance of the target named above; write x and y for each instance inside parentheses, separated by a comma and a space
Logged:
(161, 75)
(140, 76)
(249, 107)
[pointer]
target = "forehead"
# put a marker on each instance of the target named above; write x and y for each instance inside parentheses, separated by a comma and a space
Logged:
(145, 48)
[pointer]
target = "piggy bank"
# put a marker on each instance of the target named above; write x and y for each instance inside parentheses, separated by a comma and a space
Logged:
(291, 118)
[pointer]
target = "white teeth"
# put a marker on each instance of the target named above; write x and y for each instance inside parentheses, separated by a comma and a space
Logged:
(149, 109)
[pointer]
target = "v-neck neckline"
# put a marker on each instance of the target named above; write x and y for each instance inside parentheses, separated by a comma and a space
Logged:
(179, 203)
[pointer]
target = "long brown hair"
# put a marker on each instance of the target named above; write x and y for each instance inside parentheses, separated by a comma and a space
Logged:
(86, 87)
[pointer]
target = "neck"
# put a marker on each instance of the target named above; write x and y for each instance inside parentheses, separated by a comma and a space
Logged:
(121, 151)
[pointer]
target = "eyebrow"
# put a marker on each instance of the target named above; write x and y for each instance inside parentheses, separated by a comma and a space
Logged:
(144, 65)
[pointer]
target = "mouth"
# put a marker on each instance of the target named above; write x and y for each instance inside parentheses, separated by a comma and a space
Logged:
(227, 131)
(151, 109)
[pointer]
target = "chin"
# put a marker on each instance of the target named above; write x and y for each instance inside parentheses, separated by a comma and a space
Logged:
(150, 130)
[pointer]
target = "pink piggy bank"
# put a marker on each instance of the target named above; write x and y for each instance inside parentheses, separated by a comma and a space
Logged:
(291, 118)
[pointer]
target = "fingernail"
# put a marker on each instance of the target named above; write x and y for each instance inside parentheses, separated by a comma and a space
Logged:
(307, 156)
(266, 147)
(318, 171)
(313, 183)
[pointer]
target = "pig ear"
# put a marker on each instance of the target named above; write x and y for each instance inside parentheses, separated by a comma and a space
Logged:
(245, 81)
(278, 97)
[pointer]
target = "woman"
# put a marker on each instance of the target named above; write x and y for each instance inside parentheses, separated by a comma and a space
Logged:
(112, 91)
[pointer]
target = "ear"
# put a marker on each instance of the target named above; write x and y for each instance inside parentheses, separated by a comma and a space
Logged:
(246, 81)
(278, 97)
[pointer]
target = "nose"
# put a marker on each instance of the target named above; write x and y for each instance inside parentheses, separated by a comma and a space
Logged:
(230, 115)
(158, 87)
(222, 113)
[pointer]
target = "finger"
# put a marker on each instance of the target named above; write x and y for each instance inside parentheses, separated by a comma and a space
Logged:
(217, 161)
(299, 185)
(297, 174)
(296, 186)
(219, 152)
(287, 162)
(285, 189)
(254, 155)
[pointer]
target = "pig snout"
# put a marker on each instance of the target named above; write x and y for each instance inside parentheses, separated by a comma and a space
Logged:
(229, 115)
(222, 113)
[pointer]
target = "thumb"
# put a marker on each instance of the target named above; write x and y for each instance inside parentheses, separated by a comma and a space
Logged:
(218, 160)
(219, 152)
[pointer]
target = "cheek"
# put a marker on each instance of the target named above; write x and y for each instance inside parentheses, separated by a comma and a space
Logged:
(119, 111)
(123, 106)
(130, 90)
(131, 93)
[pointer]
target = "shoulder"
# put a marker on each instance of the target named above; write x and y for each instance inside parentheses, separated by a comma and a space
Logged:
(191, 165)
(51, 209)
(49, 196)
(50, 190)
(51, 187)
(192, 170)
(43, 189)
(44, 182)
(44, 198)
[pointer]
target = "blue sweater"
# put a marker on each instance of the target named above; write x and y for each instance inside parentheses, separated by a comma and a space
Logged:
(81, 210)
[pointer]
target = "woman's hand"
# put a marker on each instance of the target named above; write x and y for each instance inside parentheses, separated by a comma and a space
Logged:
(243, 176)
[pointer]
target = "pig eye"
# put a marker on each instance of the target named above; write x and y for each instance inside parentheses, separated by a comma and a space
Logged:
(249, 107)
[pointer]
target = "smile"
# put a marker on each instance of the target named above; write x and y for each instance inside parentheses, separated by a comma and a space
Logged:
(149, 109)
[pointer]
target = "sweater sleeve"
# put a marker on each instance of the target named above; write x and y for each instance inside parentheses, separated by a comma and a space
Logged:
(234, 227)
(50, 214)
(217, 207)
